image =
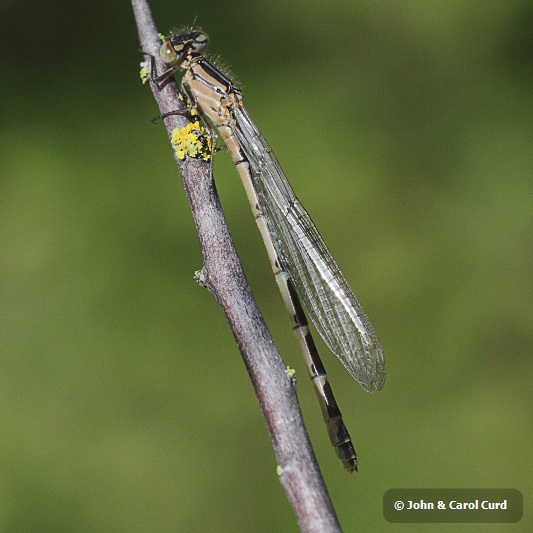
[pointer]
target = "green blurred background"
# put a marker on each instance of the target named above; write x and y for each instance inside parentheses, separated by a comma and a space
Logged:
(405, 129)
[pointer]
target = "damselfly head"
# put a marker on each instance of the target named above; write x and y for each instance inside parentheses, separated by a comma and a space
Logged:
(173, 50)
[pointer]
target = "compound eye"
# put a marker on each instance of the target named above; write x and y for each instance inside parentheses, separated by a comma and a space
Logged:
(167, 53)
(200, 40)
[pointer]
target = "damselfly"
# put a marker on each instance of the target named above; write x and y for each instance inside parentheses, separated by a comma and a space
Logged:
(303, 266)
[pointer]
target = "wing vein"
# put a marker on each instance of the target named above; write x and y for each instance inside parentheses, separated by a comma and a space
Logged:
(321, 286)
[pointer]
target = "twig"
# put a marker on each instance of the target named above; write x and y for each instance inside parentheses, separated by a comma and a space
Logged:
(224, 277)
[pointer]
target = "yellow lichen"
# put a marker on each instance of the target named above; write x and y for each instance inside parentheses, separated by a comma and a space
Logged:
(191, 141)
(145, 71)
(290, 372)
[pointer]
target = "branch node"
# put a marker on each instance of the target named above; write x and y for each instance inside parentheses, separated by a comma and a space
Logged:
(200, 276)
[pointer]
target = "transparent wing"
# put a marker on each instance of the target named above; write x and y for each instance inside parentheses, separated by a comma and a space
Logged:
(323, 290)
